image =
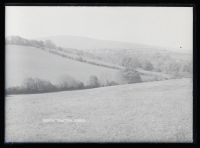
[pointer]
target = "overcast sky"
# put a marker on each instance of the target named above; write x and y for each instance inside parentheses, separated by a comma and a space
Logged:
(162, 26)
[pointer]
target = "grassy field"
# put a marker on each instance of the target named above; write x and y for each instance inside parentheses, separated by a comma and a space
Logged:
(24, 61)
(143, 112)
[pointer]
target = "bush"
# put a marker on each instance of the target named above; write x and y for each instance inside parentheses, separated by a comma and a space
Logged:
(131, 62)
(69, 83)
(49, 44)
(14, 90)
(93, 82)
(34, 85)
(147, 66)
(111, 83)
(131, 76)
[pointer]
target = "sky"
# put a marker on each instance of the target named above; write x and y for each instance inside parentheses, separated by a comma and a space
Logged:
(160, 26)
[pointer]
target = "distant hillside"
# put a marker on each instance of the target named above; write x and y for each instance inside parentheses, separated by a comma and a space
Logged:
(70, 53)
(116, 52)
(92, 44)
(25, 61)
(147, 60)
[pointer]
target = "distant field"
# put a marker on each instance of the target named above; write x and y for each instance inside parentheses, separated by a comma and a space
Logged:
(24, 61)
(143, 112)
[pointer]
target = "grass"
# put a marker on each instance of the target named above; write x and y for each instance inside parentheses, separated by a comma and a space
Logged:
(142, 112)
(23, 62)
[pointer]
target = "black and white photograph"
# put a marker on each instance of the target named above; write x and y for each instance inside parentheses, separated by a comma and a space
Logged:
(98, 74)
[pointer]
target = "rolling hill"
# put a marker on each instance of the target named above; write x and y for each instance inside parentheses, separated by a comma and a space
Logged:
(98, 46)
(141, 112)
(45, 60)
(93, 44)
(115, 52)
(25, 61)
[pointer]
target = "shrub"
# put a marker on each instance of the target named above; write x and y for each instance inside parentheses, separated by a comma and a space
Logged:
(69, 83)
(131, 76)
(111, 83)
(33, 85)
(49, 44)
(147, 66)
(131, 62)
(93, 82)
(14, 90)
